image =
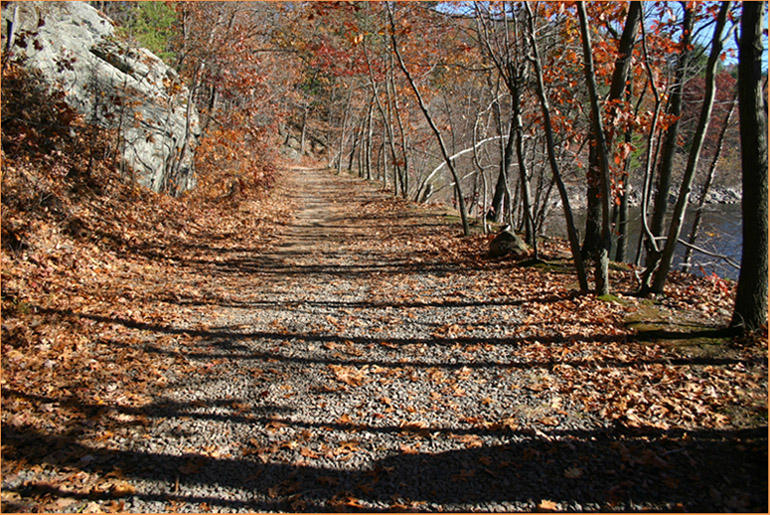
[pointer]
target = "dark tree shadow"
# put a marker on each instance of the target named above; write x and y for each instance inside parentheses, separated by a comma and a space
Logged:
(582, 470)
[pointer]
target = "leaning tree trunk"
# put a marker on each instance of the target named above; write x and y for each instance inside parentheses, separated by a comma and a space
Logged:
(677, 219)
(751, 299)
(646, 235)
(706, 187)
(434, 128)
(551, 147)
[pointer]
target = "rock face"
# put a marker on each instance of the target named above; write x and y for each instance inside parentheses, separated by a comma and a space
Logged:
(74, 48)
(508, 242)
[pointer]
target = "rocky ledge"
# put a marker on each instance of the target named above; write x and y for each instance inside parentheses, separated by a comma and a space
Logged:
(73, 48)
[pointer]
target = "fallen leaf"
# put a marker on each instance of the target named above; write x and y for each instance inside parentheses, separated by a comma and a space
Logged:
(351, 376)
(549, 421)
(546, 505)
(573, 472)
(122, 489)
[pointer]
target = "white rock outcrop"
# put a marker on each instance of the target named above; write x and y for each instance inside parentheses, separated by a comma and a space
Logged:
(75, 49)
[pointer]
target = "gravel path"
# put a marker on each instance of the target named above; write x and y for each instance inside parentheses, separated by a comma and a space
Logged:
(350, 368)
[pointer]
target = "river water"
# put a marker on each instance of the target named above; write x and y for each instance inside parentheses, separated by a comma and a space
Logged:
(719, 233)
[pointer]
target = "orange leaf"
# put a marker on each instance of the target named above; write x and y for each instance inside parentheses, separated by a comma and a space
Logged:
(546, 505)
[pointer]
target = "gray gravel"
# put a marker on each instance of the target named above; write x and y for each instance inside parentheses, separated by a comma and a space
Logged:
(344, 376)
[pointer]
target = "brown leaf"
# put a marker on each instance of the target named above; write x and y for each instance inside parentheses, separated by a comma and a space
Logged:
(274, 425)
(406, 449)
(307, 452)
(115, 506)
(351, 376)
(347, 447)
(549, 421)
(345, 419)
(122, 489)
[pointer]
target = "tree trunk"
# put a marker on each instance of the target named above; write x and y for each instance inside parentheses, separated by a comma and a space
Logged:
(369, 140)
(593, 227)
(751, 299)
(480, 171)
(592, 237)
(345, 117)
(354, 145)
(670, 145)
(621, 251)
(568, 215)
(386, 119)
(504, 195)
(362, 149)
(677, 219)
(499, 196)
(530, 233)
(603, 251)
(303, 131)
(402, 134)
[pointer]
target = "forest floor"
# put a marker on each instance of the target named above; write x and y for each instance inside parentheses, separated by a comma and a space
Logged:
(326, 347)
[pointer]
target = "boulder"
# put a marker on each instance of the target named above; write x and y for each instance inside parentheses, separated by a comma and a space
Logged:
(507, 242)
(74, 48)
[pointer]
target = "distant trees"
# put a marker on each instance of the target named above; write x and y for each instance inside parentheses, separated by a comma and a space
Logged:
(224, 50)
(483, 49)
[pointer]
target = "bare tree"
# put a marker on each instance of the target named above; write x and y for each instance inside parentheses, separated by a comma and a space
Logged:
(669, 146)
(434, 128)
